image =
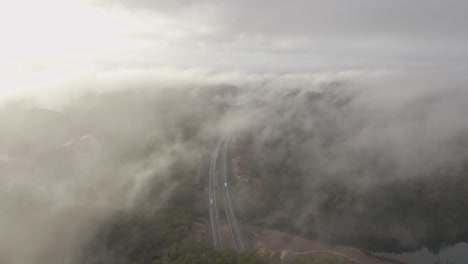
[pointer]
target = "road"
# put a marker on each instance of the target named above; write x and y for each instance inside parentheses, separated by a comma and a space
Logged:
(219, 171)
(213, 205)
(230, 214)
(219, 185)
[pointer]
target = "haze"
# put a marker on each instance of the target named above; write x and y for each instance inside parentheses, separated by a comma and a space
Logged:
(110, 106)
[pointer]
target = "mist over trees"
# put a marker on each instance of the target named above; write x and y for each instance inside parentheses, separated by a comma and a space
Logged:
(337, 160)
(383, 179)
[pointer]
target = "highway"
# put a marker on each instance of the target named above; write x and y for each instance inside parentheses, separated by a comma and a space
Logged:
(219, 185)
(230, 214)
(213, 205)
(218, 181)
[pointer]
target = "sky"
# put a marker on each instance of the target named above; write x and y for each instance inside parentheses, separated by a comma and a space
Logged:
(52, 40)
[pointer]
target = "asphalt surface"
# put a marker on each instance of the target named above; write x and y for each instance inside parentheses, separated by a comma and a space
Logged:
(213, 204)
(218, 182)
(230, 213)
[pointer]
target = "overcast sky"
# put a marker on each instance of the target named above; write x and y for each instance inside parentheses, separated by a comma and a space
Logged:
(47, 40)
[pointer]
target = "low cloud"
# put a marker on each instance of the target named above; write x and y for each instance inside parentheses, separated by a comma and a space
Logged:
(68, 162)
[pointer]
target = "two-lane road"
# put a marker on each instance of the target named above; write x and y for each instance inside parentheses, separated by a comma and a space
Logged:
(213, 204)
(218, 180)
(230, 214)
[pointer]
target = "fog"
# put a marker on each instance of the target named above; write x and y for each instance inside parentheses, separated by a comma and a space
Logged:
(63, 170)
(68, 162)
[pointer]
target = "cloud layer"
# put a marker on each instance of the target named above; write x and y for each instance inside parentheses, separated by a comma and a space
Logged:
(306, 34)
(65, 168)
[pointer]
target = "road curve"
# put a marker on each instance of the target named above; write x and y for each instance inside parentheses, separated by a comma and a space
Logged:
(218, 173)
(218, 180)
(212, 202)
(230, 214)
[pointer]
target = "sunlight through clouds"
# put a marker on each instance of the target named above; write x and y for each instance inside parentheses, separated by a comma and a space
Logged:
(44, 40)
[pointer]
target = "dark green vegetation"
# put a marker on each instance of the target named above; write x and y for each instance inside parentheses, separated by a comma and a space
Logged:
(200, 252)
(160, 237)
(137, 237)
(328, 165)
(163, 237)
(331, 174)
